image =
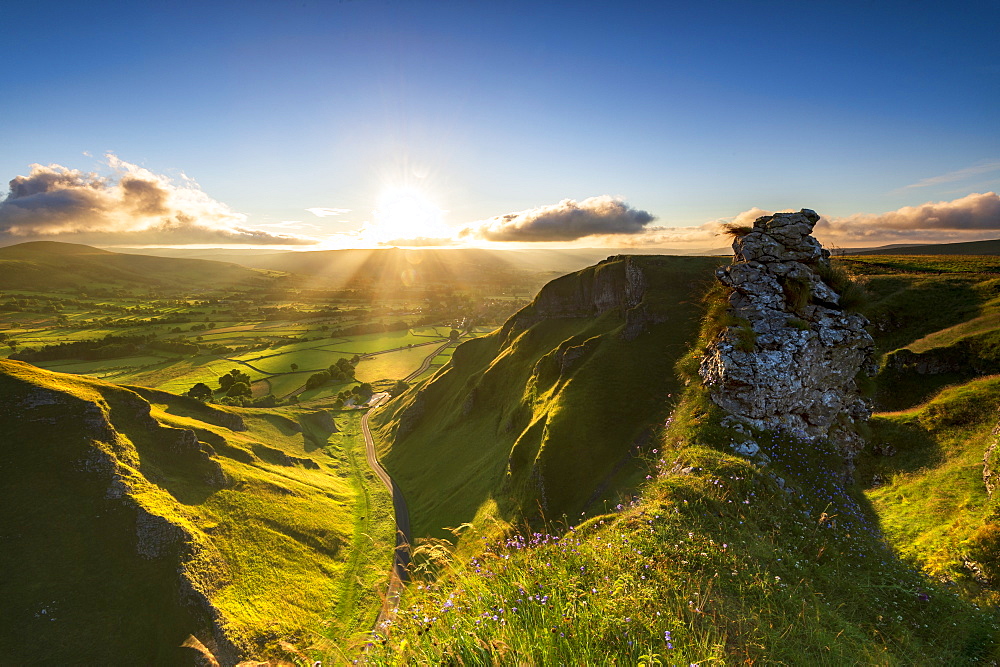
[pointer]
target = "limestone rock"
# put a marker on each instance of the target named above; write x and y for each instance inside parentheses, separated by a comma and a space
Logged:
(791, 362)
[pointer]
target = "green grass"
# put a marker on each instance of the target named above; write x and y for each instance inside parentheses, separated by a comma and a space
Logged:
(306, 359)
(282, 550)
(931, 496)
(368, 343)
(503, 425)
(392, 365)
(716, 566)
(923, 263)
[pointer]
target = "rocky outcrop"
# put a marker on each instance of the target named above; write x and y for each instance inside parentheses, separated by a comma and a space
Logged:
(616, 283)
(788, 353)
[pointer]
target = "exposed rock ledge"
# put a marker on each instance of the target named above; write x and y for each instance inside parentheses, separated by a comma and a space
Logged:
(791, 354)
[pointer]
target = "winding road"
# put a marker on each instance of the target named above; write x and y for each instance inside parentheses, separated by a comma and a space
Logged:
(401, 559)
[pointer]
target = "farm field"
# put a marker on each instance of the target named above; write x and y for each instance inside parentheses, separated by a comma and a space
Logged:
(392, 365)
(174, 340)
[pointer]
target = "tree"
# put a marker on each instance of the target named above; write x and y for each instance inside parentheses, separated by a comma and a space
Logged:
(239, 389)
(295, 367)
(201, 391)
(454, 334)
(318, 379)
(363, 391)
(399, 388)
(232, 377)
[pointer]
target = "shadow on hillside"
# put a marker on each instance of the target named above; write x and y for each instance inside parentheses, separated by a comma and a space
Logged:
(912, 449)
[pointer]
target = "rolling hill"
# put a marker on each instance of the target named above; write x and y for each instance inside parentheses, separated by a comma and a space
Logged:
(135, 523)
(711, 558)
(41, 265)
(964, 248)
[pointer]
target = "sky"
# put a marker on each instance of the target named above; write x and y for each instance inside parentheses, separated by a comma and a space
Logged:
(321, 124)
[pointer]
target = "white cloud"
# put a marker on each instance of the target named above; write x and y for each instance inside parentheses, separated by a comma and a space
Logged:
(132, 205)
(323, 212)
(957, 175)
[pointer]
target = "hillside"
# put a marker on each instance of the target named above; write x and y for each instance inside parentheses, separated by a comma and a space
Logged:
(134, 520)
(546, 414)
(726, 554)
(41, 265)
(991, 247)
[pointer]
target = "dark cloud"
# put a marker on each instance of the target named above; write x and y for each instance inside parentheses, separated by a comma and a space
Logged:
(566, 221)
(134, 206)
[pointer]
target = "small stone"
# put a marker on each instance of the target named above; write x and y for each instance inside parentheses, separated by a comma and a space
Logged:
(747, 448)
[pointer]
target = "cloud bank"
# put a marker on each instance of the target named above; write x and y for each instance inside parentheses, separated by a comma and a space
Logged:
(132, 206)
(566, 221)
(973, 213)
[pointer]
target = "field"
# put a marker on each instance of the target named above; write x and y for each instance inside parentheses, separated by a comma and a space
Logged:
(172, 339)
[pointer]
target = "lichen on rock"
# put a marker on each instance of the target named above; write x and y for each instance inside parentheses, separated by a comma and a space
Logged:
(790, 355)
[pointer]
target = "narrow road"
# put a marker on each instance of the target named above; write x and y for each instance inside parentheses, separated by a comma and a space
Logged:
(426, 363)
(401, 560)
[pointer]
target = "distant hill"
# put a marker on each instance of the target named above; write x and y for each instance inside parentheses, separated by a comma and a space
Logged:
(964, 248)
(43, 265)
(433, 265)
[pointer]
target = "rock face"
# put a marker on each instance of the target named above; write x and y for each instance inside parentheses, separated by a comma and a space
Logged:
(790, 355)
(618, 283)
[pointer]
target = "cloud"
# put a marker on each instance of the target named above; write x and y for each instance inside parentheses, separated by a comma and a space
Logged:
(958, 175)
(131, 206)
(288, 224)
(419, 242)
(321, 212)
(566, 221)
(960, 218)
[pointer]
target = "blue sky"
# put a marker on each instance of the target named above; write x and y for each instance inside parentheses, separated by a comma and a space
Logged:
(692, 112)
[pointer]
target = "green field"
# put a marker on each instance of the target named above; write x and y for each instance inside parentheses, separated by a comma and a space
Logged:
(392, 365)
(367, 344)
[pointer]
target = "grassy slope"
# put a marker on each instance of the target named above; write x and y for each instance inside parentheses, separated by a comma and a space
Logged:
(946, 319)
(505, 427)
(726, 562)
(716, 563)
(931, 494)
(280, 551)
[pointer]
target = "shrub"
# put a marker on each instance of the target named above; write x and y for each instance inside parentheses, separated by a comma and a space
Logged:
(239, 389)
(746, 338)
(735, 230)
(852, 293)
(797, 291)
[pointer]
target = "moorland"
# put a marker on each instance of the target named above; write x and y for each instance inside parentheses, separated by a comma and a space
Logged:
(574, 495)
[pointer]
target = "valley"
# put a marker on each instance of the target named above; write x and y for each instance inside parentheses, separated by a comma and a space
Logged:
(571, 490)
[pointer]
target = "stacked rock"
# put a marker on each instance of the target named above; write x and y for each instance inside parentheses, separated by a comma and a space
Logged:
(791, 355)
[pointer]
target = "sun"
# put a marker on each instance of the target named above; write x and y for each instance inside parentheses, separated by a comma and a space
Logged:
(404, 214)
